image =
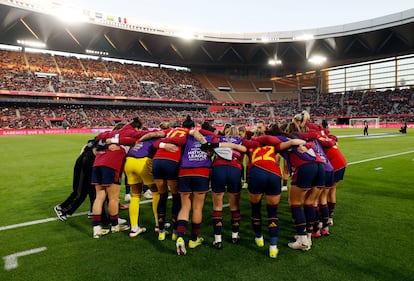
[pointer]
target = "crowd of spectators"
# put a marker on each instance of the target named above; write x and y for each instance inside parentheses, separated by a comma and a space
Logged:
(42, 73)
(68, 74)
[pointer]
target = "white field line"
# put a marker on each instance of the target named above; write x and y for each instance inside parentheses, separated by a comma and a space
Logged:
(149, 201)
(10, 261)
(53, 219)
(381, 157)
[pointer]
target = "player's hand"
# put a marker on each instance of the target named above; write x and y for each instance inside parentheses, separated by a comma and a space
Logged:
(171, 147)
(209, 146)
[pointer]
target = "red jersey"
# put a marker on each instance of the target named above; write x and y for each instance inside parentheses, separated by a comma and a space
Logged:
(115, 158)
(174, 156)
(262, 153)
(127, 135)
(330, 147)
(181, 141)
(315, 127)
(237, 157)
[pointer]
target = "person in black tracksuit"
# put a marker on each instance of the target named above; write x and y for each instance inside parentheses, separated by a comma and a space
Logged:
(81, 185)
(365, 128)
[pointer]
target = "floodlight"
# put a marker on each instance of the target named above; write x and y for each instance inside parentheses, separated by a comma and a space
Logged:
(30, 43)
(187, 35)
(317, 59)
(304, 37)
(97, 53)
(275, 62)
(67, 14)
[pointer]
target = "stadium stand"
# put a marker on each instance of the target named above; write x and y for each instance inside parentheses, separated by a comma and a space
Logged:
(88, 90)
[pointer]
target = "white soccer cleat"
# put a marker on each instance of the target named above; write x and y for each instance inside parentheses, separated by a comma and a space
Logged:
(98, 232)
(180, 245)
(119, 228)
(301, 243)
(135, 232)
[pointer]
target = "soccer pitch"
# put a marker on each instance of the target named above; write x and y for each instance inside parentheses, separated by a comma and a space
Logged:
(370, 238)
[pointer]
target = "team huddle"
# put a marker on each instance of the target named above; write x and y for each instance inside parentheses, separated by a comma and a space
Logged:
(190, 162)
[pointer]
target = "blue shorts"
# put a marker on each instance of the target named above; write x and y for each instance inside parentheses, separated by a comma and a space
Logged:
(309, 175)
(264, 182)
(190, 184)
(226, 176)
(163, 169)
(103, 175)
(329, 179)
(339, 175)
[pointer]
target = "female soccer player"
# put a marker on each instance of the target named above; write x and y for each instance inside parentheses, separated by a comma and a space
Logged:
(165, 166)
(107, 168)
(308, 174)
(227, 174)
(265, 179)
(138, 169)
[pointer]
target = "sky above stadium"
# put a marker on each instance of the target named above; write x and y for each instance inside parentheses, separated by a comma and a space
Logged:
(245, 15)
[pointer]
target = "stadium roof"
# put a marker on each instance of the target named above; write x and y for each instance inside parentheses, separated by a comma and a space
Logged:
(242, 53)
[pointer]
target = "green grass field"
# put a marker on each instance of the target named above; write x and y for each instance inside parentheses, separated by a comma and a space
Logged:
(370, 238)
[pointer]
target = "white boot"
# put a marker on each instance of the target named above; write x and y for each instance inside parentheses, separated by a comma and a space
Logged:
(98, 231)
(301, 243)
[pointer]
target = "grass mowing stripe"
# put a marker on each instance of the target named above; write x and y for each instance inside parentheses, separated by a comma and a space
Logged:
(52, 219)
(381, 157)
(148, 201)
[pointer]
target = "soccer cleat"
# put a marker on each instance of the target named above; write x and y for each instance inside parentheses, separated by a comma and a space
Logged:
(98, 232)
(325, 231)
(330, 221)
(119, 227)
(259, 241)
(309, 235)
(218, 245)
(180, 245)
(273, 252)
(161, 235)
(316, 234)
(174, 236)
(320, 224)
(135, 232)
(127, 197)
(301, 243)
(235, 240)
(148, 194)
(284, 188)
(193, 244)
(59, 213)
